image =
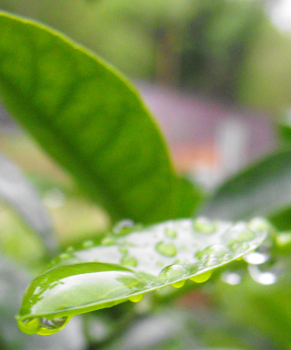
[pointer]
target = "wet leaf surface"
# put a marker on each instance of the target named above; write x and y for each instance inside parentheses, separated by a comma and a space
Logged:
(132, 261)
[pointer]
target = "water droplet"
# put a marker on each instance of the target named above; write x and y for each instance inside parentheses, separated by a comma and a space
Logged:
(238, 240)
(203, 277)
(204, 225)
(64, 256)
(42, 326)
(30, 325)
(70, 249)
(171, 233)
(179, 284)
(232, 278)
(256, 258)
(172, 272)
(123, 250)
(167, 249)
(107, 241)
(216, 251)
(259, 224)
(88, 243)
(136, 298)
(129, 261)
(123, 227)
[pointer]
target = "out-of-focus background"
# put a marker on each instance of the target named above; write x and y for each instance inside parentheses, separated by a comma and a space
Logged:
(214, 73)
(217, 76)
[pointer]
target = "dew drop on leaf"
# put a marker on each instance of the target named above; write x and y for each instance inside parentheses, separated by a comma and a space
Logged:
(172, 272)
(204, 225)
(167, 249)
(123, 250)
(203, 277)
(107, 241)
(129, 261)
(136, 298)
(179, 284)
(171, 233)
(42, 326)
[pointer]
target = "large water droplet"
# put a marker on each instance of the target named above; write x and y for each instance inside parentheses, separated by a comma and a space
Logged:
(129, 261)
(171, 273)
(202, 277)
(30, 325)
(136, 298)
(171, 233)
(42, 326)
(167, 249)
(179, 284)
(204, 225)
(123, 227)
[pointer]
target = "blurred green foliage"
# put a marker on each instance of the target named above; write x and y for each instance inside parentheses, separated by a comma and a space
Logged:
(227, 49)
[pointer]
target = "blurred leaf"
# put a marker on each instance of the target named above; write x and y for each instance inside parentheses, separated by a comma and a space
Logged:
(133, 261)
(262, 189)
(187, 197)
(18, 192)
(283, 125)
(88, 118)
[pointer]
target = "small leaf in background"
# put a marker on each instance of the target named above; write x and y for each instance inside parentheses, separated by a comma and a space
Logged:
(130, 262)
(19, 193)
(89, 118)
(262, 189)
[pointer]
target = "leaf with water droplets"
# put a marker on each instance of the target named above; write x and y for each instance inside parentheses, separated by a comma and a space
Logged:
(133, 261)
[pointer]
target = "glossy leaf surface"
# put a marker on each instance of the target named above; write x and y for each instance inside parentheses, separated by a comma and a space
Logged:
(88, 117)
(262, 189)
(130, 262)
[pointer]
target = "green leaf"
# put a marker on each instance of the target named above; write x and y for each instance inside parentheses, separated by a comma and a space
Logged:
(18, 192)
(88, 117)
(130, 262)
(283, 125)
(262, 189)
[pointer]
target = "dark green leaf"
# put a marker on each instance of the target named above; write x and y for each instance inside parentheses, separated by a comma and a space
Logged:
(262, 189)
(130, 262)
(88, 118)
